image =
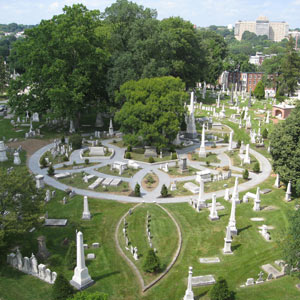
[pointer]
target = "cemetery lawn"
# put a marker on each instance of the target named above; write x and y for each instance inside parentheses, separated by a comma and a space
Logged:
(129, 172)
(210, 157)
(175, 172)
(8, 131)
(10, 161)
(141, 157)
(163, 232)
(57, 160)
(77, 166)
(77, 181)
(236, 160)
(119, 144)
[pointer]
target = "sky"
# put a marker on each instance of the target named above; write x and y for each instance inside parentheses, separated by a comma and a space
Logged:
(200, 12)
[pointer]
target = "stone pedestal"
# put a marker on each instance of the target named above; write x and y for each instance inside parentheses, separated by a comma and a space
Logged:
(40, 181)
(202, 152)
(81, 278)
(227, 241)
(86, 215)
(189, 295)
(3, 156)
(213, 216)
(17, 160)
(288, 194)
(43, 252)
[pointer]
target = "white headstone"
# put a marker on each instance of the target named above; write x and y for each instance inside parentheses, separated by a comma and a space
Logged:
(202, 152)
(86, 215)
(189, 295)
(3, 156)
(213, 211)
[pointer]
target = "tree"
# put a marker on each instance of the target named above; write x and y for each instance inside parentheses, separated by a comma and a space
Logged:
(220, 290)
(285, 151)
(215, 51)
(265, 133)
(20, 205)
(259, 91)
(50, 170)
(137, 190)
(164, 191)
(89, 296)
(76, 141)
(151, 263)
(291, 242)
(290, 67)
(152, 112)
(3, 74)
(61, 289)
(246, 174)
(64, 61)
(256, 168)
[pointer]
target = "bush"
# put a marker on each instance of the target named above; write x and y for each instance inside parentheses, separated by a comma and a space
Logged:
(61, 289)
(43, 162)
(151, 160)
(86, 161)
(207, 163)
(128, 155)
(89, 296)
(114, 141)
(137, 190)
(220, 290)
(151, 263)
(265, 133)
(63, 140)
(174, 155)
(129, 148)
(239, 144)
(51, 171)
(164, 191)
(226, 138)
(76, 141)
(256, 168)
(70, 258)
(54, 260)
(65, 158)
(214, 145)
(246, 174)
(150, 179)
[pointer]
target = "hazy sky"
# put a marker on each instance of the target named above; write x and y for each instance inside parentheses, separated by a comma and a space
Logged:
(199, 12)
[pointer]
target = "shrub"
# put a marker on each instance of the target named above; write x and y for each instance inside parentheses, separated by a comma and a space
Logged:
(89, 296)
(214, 145)
(226, 138)
(51, 171)
(61, 289)
(43, 162)
(70, 258)
(151, 160)
(74, 163)
(76, 141)
(54, 260)
(220, 290)
(151, 263)
(174, 155)
(164, 191)
(256, 167)
(128, 155)
(150, 179)
(207, 163)
(265, 133)
(63, 140)
(239, 143)
(86, 161)
(114, 141)
(65, 158)
(246, 174)
(129, 148)
(137, 190)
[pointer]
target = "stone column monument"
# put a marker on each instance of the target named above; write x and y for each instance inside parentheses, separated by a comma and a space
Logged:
(202, 152)
(86, 215)
(81, 278)
(3, 156)
(189, 295)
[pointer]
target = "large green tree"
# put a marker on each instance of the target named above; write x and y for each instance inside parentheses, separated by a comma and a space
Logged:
(215, 51)
(20, 205)
(64, 61)
(290, 67)
(153, 110)
(3, 74)
(285, 147)
(259, 91)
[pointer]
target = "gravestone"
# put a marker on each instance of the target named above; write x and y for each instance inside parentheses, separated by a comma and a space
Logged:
(43, 252)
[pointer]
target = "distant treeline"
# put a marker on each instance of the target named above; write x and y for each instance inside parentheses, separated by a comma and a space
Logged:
(14, 27)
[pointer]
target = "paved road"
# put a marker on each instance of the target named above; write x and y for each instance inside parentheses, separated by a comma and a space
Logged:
(153, 196)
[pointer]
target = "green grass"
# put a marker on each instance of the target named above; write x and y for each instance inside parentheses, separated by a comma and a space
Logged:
(8, 131)
(210, 157)
(57, 160)
(77, 181)
(126, 173)
(10, 161)
(175, 172)
(141, 157)
(83, 165)
(164, 239)
(236, 160)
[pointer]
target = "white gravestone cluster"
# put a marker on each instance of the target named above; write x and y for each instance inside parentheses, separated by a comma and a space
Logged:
(30, 266)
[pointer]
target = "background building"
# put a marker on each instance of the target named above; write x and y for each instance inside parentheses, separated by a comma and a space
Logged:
(275, 31)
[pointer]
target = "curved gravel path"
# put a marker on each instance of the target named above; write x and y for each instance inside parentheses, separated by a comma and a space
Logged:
(164, 178)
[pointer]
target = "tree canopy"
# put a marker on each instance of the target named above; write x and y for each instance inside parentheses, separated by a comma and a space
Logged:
(64, 61)
(259, 91)
(285, 147)
(20, 204)
(153, 110)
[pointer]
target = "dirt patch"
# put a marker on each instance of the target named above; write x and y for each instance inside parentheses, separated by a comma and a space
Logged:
(30, 145)
(150, 186)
